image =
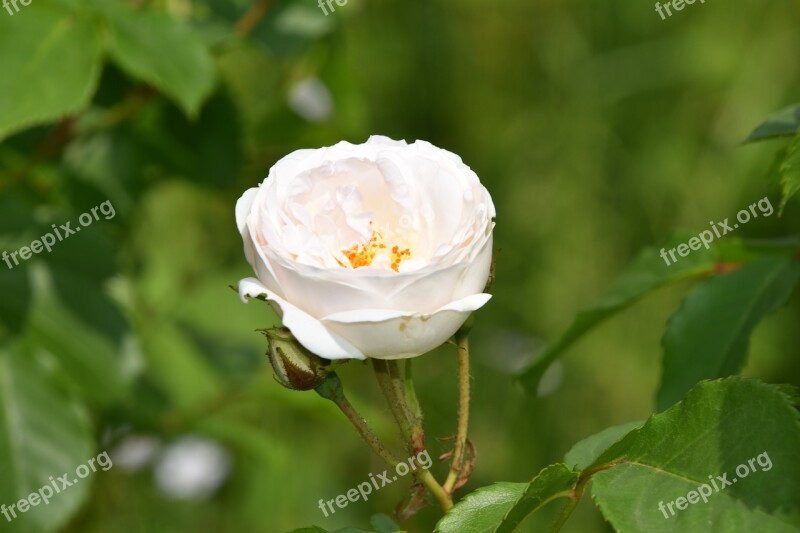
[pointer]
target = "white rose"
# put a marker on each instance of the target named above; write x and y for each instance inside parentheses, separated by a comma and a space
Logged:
(377, 250)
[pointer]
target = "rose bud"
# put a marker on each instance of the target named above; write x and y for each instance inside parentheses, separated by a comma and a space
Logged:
(295, 367)
(381, 249)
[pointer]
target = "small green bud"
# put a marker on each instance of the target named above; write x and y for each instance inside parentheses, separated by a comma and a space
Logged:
(295, 367)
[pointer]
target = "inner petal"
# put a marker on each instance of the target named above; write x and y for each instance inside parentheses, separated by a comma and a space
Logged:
(358, 218)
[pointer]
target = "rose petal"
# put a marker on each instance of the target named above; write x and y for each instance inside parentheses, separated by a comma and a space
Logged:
(243, 207)
(387, 334)
(308, 331)
(325, 292)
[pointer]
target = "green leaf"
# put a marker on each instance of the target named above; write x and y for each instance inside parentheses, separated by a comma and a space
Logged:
(42, 434)
(587, 451)
(90, 254)
(208, 150)
(16, 217)
(292, 27)
(353, 530)
(72, 319)
(289, 27)
(501, 507)
(783, 123)
(180, 237)
(788, 173)
(555, 481)
(184, 376)
(153, 46)
(719, 427)
(51, 64)
(110, 161)
(708, 336)
(381, 523)
(648, 272)
(483, 510)
(15, 303)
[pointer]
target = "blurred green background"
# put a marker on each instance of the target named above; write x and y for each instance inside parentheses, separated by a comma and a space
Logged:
(597, 127)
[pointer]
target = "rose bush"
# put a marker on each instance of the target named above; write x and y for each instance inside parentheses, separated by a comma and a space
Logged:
(381, 249)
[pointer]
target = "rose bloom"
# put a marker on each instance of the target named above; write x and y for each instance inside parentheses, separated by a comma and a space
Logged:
(380, 249)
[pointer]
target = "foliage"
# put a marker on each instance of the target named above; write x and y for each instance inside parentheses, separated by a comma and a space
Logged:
(671, 454)
(585, 123)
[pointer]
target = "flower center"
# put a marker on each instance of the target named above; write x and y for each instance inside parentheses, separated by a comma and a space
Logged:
(361, 255)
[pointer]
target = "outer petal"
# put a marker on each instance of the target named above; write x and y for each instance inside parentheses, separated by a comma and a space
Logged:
(243, 208)
(324, 293)
(386, 334)
(308, 331)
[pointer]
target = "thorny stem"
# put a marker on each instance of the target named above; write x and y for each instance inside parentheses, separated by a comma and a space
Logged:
(332, 390)
(369, 437)
(395, 388)
(462, 343)
(411, 393)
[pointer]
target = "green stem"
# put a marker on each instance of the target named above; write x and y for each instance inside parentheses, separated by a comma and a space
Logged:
(566, 513)
(395, 388)
(577, 494)
(462, 343)
(332, 390)
(391, 383)
(411, 393)
(444, 499)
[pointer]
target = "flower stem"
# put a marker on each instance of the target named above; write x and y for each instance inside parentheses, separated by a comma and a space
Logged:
(411, 392)
(462, 342)
(396, 389)
(391, 383)
(369, 437)
(444, 499)
(332, 390)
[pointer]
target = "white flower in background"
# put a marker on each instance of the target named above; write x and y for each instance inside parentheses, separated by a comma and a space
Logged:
(134, 452)
(192, 468)
(311, 99)
(374, 250)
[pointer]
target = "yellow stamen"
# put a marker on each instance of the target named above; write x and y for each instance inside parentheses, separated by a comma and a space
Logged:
(361, 255)
(398, 256)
